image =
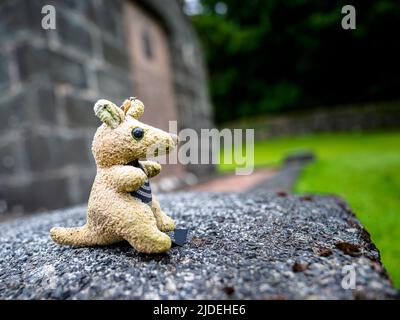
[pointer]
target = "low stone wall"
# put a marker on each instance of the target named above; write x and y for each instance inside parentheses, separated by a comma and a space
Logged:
(240, 246)
(383, 115)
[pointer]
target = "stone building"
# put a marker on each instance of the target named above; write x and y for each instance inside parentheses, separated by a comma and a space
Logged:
(50, 79)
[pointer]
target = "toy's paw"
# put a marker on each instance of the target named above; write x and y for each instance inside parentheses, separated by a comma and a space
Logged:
(153, 170)
(166, 224)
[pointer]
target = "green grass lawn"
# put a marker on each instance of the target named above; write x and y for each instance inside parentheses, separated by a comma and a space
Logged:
(363, 168)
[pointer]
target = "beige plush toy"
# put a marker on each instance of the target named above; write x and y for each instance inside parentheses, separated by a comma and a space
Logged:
(121, 205)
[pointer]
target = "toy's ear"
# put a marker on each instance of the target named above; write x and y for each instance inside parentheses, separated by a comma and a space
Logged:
(133, 107)
(108, 113)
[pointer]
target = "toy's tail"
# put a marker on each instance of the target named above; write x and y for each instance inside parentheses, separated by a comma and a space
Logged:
(77, 237)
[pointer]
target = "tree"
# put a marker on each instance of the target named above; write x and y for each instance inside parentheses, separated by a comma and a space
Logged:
(270, 56)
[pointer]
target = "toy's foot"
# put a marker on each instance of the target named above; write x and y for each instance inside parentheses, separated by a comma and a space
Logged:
(165, 223)
(141, 231)
(150, 240)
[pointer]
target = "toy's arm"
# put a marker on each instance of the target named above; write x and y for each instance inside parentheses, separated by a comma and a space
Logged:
(152, 168)
(126, 178)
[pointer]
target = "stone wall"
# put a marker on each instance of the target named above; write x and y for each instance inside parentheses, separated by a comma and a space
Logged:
(49, 81)
(362, 117)
(252, 245)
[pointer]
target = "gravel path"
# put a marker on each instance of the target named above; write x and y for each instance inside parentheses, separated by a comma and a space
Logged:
(259, 246)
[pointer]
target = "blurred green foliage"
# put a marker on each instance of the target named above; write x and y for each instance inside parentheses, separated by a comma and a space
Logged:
(269, 56)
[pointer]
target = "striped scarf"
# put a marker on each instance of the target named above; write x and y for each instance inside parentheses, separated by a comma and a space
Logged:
(144, 192)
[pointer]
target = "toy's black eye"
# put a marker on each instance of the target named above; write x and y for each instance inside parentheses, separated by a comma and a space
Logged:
(137, 133)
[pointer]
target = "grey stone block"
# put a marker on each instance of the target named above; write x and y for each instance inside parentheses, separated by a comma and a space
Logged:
(240, 246)
(19, 16)
(66, 70)
(113, 6)
(74, 33)
(4, 72)
(31, 61)
(87, 9)
(114, 85)
(36, 62)
(115, 56)
(39, 152)
(49, 194)
(72, 151)
(79, 112)
(46, 105)
(9, 158)
(85, 185)
(73, 4)
(41, 194)
(15, 111)
(30, 106)
(108, 18)
(55, 151)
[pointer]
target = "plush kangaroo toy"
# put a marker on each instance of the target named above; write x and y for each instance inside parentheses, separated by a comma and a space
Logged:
(121, 205)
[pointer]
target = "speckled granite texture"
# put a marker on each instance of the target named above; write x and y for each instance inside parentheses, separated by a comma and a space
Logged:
(240, 246)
